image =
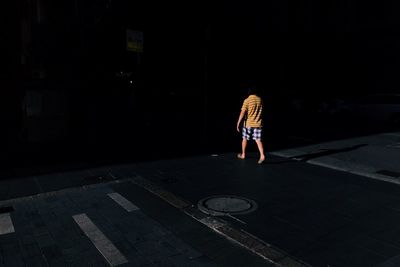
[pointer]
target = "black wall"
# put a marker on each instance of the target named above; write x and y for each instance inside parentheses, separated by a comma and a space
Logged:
(185, 90)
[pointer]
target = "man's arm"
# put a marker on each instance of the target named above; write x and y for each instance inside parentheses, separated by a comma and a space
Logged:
(241, 116)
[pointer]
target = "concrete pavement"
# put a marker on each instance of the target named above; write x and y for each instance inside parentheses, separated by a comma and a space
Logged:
(375, 156)
(113, 223)
(146, 214)
(321, 216)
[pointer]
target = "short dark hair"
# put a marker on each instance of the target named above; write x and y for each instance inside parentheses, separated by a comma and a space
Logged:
(252, 91)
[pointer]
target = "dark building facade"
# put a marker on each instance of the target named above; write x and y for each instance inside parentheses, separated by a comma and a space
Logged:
(79, 91)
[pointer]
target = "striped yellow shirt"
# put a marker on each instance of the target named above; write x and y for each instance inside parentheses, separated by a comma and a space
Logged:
(253, 106)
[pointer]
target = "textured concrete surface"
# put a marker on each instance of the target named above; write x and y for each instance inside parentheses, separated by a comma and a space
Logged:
(374, 156)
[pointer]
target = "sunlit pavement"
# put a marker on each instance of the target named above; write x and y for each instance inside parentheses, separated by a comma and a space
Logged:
(375, 156)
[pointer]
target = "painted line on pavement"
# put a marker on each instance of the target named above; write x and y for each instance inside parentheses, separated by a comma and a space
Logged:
(113, 256)
(123, 202)
(238, 236)
(6, 225)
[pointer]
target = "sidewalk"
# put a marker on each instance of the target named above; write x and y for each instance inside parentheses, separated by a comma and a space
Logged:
(146, 213)
(109, 224)
(321, 216)
(375, 156)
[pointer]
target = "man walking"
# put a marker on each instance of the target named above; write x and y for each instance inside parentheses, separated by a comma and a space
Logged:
(251, 115)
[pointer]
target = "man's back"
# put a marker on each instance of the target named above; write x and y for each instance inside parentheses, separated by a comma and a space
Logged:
(253, 105)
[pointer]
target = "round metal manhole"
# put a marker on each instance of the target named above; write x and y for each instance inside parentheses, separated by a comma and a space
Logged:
(226, 205)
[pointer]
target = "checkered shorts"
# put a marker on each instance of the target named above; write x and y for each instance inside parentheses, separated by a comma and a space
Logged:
(254, 132)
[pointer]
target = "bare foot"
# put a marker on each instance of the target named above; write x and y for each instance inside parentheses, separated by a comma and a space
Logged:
(240, 156)
(261, 160)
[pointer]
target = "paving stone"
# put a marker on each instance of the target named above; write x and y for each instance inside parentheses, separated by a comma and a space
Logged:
(14, 262)
(86, 259)
(36, 261)
(212, 249)
(30, 250)
(154, 251)
(154, 236)
(39, 224)
(27, 239)
(55, 225)
(51, 199)
(133, 237)
(61, 235)
(11, 250)
(9, 240)
(69, 204)
(11, 255)
(57, 263)
(378, 246)
(147, 247)
(203, 261)
(45, 240)
(181, 260)
(181, 246)
(168, 247)
(80, 245)
(163, 263)
(51, 253)
(40, 231)
(69, 251)
(124, 247)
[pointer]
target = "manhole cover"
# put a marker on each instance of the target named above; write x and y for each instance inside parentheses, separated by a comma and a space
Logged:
(225, 204)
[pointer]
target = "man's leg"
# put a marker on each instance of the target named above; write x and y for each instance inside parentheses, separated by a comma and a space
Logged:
(261, 149)
(245, 135)
(244, 145)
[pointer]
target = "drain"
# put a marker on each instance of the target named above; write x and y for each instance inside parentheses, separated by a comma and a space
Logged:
(226, 205)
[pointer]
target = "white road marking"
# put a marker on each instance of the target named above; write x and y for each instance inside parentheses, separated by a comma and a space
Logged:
(123, 202)
(104, 245)
(6, 225)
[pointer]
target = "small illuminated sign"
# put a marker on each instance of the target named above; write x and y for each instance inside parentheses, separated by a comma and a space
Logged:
(134, 41)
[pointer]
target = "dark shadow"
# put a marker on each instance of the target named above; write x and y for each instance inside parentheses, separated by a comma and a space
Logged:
(326, 152)
(279, 161)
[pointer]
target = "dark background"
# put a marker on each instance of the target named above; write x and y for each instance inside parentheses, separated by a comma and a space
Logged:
(64, 102)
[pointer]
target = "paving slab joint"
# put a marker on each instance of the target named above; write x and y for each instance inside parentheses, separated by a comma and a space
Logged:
(220, 226)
